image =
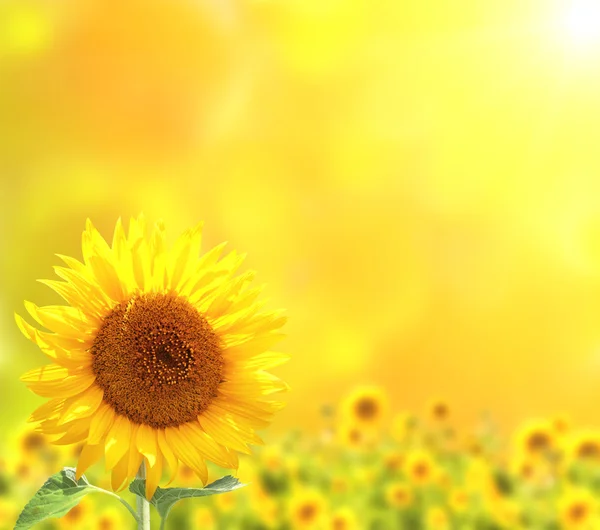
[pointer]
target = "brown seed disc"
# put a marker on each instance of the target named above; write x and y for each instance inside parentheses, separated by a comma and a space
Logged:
(158, 360)
(366, 409)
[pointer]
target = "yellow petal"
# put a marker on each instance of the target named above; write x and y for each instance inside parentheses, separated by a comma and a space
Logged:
(50, 372)
(207, 446)
(135, 458)
(123, 258)
(101, 423)
(252, 347)
(168, 454)
(117, 440)
(147, 443)
(74, 298)
(183, 256)
(67, 387)
(47, 410)
(228, 292)
(82, 405)
(119, 475)
(223, 432)
(90, 454)
(186, 452)
(153, 476)
(85, 284)
(254, 384)
(75, 432)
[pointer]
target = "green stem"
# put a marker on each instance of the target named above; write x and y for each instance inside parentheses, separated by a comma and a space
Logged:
(143, 506)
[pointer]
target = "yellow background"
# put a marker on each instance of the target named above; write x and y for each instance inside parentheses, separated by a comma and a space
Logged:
(416, 182)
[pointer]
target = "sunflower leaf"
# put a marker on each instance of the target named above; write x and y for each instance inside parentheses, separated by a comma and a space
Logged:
(164, 499)
(55, 498)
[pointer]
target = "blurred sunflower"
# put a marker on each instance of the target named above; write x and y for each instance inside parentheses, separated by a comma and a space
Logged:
(584, 445)
(32, 442)
(577, 509)
(225, 503)
(80, 516)
(393, 460)
(536, 438)
(343, 519)
(203, 517)
(459, 500)
(420, 467)
(307, 509)
(110, 519)
(159, 358)
(436, 518)
(438, 410)
(398, 494)
(366, 406)
(354, 436)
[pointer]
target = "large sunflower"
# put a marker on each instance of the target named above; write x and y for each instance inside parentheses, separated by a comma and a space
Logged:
(159, 356)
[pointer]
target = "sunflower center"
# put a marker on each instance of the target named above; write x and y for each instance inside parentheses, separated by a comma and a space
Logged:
(366, 409)
(588, 450)
(538, 441)
(578, 512)
(308, 512)
(158, 360)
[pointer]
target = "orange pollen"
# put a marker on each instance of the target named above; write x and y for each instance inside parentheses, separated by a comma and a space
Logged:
(158, 360)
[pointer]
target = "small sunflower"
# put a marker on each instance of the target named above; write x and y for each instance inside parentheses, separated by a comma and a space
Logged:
(80, 516)
(436, 518)
(438, 410)
(366, 406)
(203, 517)
(307, 509)
(398, 494)
(110, 519)
(459, 500)
(536, 438)
(577, 508)
(159, 356)
(584, 445)
(343, 519)
(420, 467)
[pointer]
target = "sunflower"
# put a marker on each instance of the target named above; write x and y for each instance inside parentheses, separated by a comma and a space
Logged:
(577, 508)
(110, 519)
(459, 500)
(158, 358)
(584, 445)
(398, 494)
(438, 410)
(436, 518)
(420, 467)
(80, 516)
(203, 517)
(536, 438)
(366, 406)
(307, 509)
(343, 519)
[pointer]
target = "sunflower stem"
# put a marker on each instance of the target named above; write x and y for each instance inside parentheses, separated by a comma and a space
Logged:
(143, 506)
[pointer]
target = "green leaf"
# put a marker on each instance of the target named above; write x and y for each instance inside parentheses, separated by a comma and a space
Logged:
(55, 498)
(164, 499)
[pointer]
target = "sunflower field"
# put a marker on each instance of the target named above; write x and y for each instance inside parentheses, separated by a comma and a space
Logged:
(369, 467)
(328, 264)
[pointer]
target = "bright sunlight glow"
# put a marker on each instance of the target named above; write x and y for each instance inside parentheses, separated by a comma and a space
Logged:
(582, 22)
